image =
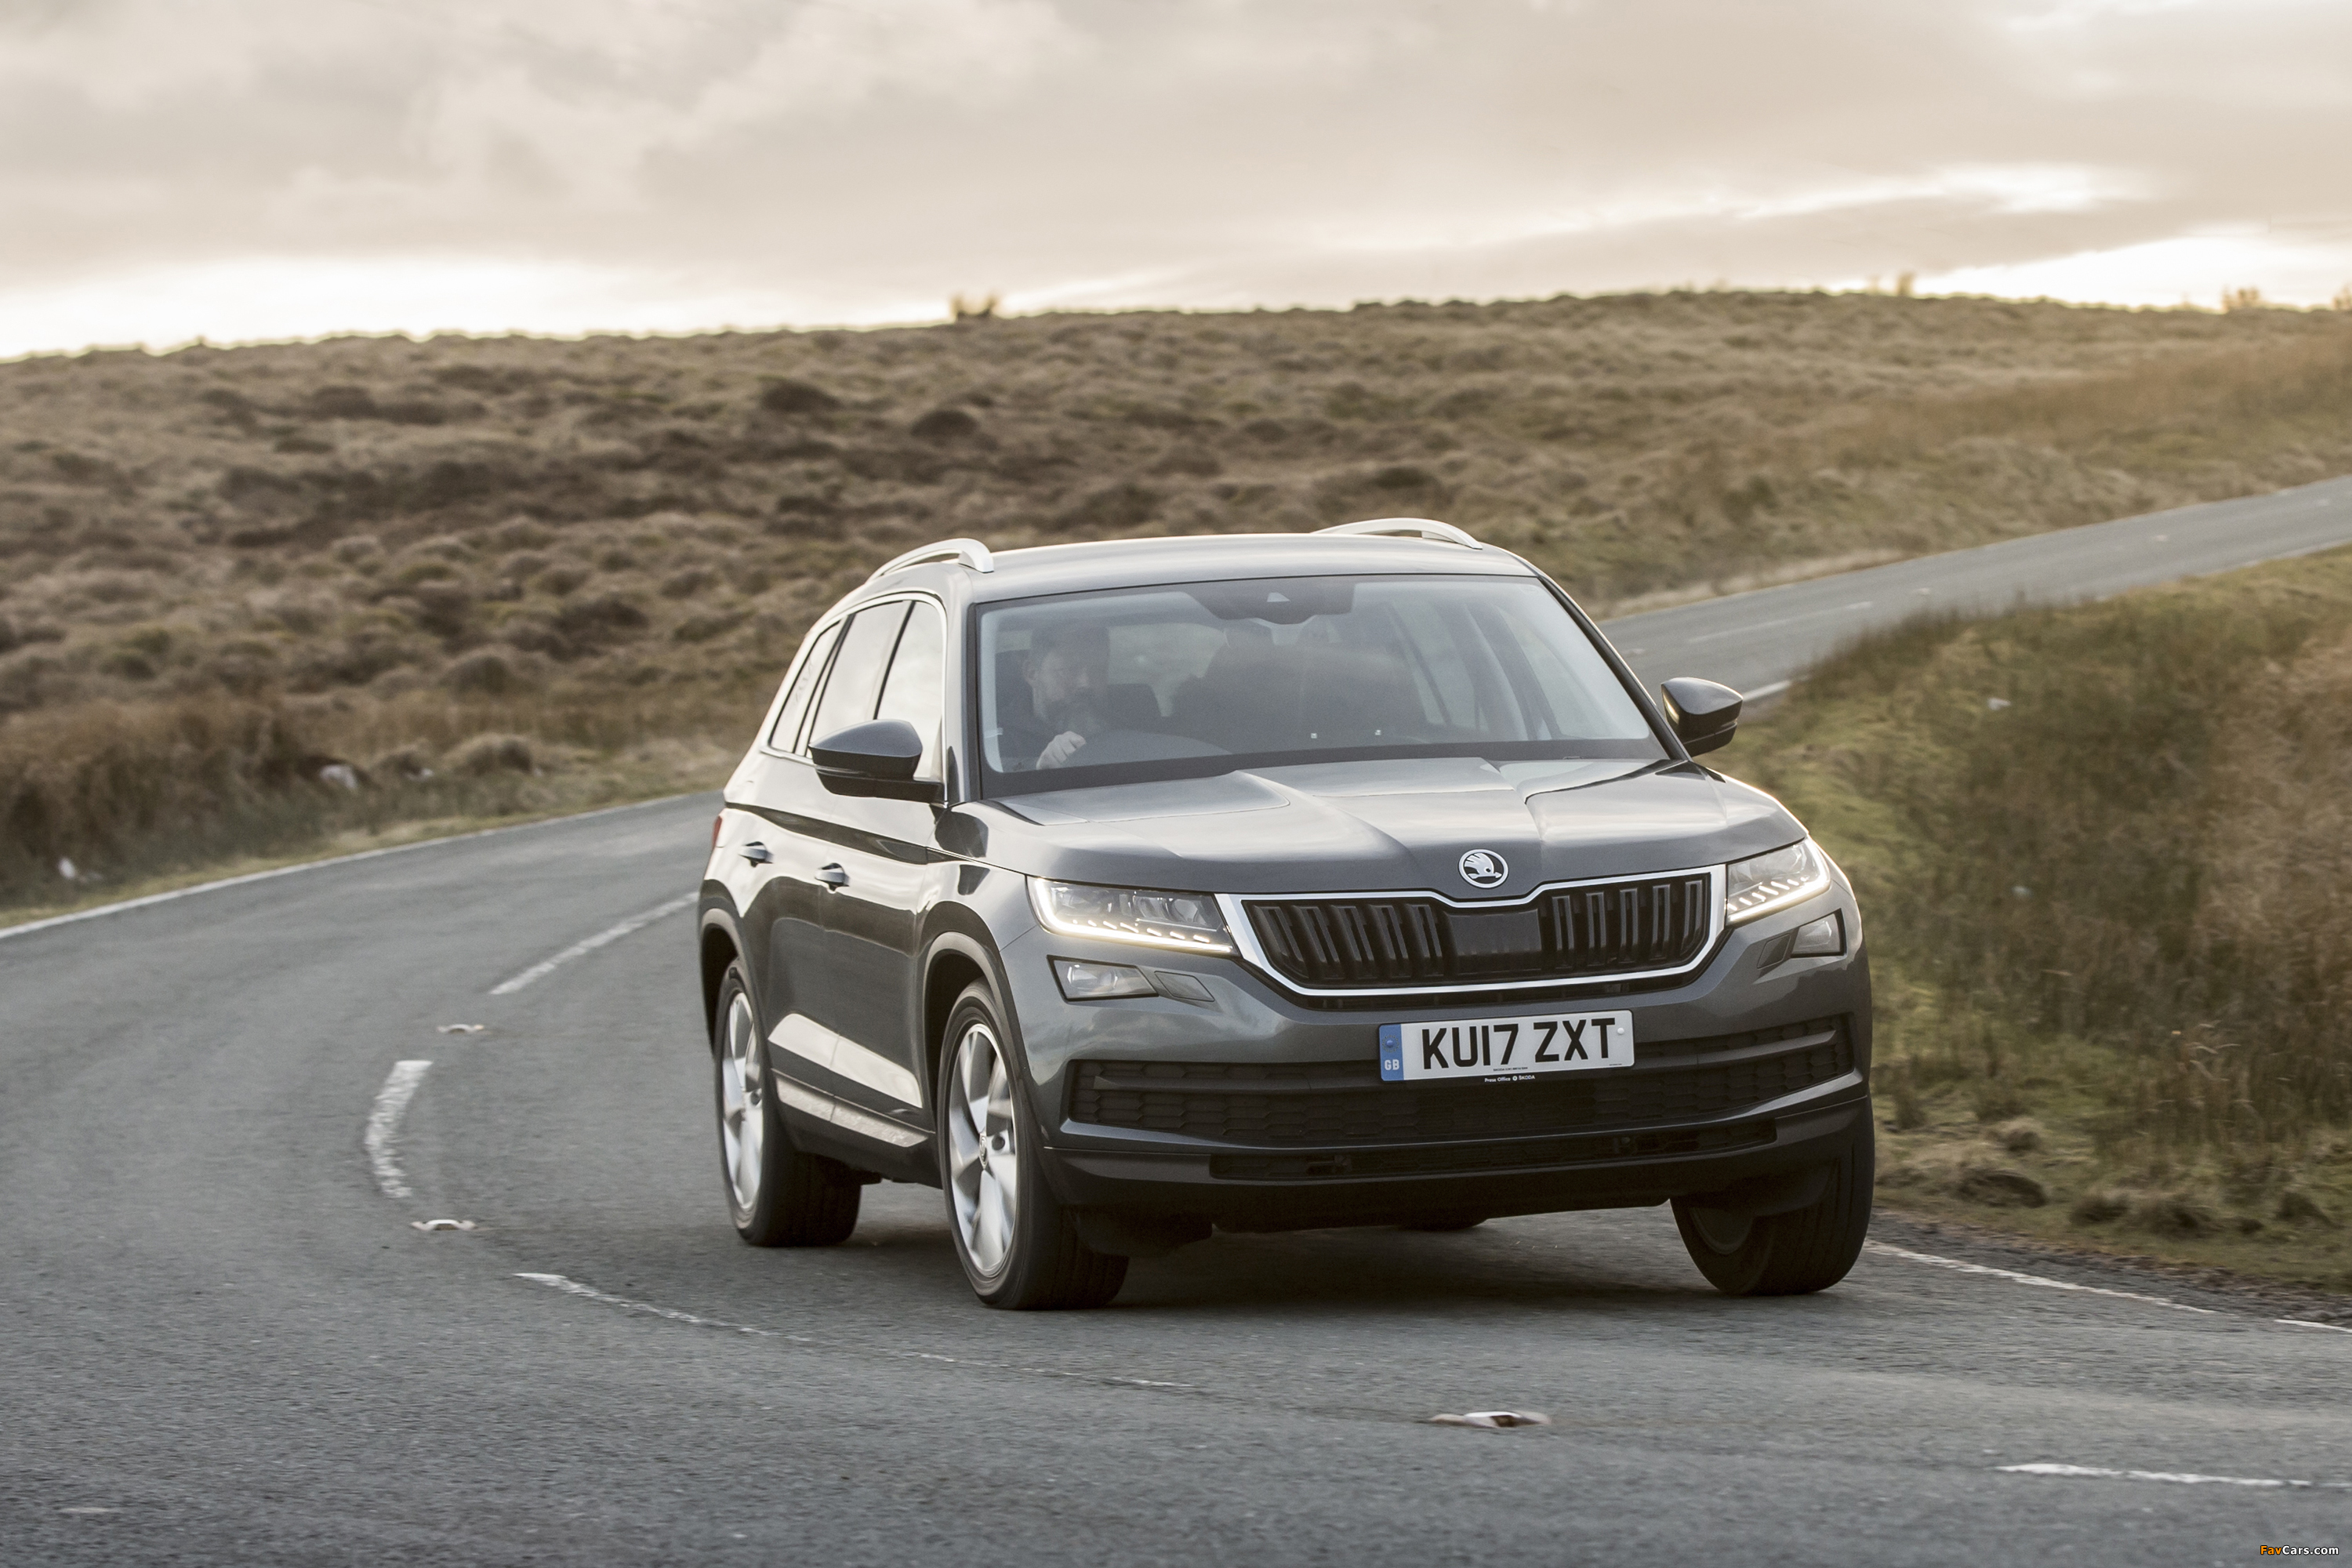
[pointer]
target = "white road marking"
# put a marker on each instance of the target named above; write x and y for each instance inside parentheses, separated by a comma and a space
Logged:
(2099, 1473)
(2015, 1278)
(590, 1293)
(383, 1126)
(1772, 689)
(582, 949)
(28, 927)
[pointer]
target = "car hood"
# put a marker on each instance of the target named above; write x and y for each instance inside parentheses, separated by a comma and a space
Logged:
(1388, 827)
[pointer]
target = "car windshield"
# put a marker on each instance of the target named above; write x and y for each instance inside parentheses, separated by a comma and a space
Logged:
(1185, 681)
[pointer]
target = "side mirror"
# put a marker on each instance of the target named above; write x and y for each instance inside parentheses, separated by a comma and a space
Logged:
(1703, 714)
(874, 760)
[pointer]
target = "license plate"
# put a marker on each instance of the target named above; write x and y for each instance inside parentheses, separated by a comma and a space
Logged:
(1506, 1051)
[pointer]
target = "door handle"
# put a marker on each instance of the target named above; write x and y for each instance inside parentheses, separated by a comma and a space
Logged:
(834, 877)
(757, 853)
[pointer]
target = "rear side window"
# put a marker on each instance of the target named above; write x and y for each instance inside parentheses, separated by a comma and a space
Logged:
(796, 700)
(916, 690)
(851, 690)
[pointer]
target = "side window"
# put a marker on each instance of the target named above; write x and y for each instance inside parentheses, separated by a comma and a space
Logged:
(856, 678)
(796, 700)
(915, 688)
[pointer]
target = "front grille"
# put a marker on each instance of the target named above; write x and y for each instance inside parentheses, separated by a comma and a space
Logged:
(1613, 929)
(1334, 1104)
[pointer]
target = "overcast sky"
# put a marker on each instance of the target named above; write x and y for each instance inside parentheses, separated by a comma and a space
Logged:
(249, 169)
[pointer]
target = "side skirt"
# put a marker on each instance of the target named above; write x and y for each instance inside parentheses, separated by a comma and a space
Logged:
(858, 1139)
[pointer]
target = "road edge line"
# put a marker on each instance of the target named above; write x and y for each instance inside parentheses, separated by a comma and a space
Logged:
(2043, 1281)
(145, 901)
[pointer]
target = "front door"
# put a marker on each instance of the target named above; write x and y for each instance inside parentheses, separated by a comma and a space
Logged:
(875, 919)
(841, 1024)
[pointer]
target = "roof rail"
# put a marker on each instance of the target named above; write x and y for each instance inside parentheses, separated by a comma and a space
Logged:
(969, 553)
(1407, 528)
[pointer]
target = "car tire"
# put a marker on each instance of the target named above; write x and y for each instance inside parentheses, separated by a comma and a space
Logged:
(1019, 1247)
(776, 1194)
(1790, 1253)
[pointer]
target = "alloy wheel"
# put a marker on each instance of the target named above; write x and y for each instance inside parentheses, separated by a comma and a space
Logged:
(742, 1104)
(983, 1151)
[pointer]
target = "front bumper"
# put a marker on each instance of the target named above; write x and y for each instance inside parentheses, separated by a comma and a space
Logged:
(1608, 1170)
(1743, 1073)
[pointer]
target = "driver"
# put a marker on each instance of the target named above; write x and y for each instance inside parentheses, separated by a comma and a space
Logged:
(1069, 685)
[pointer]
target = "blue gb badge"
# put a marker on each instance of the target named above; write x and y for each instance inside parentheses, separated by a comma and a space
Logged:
(1392, 1052)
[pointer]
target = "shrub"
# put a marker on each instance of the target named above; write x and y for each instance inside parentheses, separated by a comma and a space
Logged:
(2301, 1207)
(484, 673)
(2001, 1189)
(593, 623)
(2174, 1214)
(686, 584)
(2100, 1207)
(487, 754)
(1109, 510)
(945, 424)
(788, 396)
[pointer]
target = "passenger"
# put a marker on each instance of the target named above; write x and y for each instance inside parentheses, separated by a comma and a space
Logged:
(1069, 685)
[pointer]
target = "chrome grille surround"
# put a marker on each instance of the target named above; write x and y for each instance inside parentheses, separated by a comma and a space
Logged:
(1402, 931)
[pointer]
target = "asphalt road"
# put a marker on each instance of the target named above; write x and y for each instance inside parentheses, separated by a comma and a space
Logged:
(221, 1341)
(1752, 641)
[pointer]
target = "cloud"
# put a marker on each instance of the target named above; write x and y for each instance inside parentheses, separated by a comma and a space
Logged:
(840, 160)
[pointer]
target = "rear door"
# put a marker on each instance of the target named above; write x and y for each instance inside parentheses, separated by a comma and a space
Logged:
(773, 865)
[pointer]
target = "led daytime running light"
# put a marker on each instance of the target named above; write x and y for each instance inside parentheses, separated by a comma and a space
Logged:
(1764, 883)
(1188, 922)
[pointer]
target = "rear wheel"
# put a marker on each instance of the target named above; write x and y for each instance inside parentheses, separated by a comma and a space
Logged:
(777, 1195)
(1790, 1253)
(1019, 1248)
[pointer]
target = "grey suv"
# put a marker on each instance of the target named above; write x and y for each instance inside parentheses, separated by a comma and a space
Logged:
(1127, 891)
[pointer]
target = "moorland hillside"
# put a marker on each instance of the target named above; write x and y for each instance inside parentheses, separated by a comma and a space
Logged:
(461, 563)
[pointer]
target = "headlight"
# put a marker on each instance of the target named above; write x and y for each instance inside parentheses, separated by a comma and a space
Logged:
(1186, 921)
(1774, 881)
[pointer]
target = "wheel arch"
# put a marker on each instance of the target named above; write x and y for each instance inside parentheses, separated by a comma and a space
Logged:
(956, 960)
(717, 946)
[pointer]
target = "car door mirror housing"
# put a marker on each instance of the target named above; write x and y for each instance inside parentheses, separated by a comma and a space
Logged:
(875, 759)
(1703, 714)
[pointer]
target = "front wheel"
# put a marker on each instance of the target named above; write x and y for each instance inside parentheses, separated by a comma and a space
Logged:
(1790, 1253)
(777, 1195)
(1019, 1248)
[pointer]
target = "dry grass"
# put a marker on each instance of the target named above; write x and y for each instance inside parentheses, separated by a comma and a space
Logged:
(2114, 903)
(126, 793)
(366, 545)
